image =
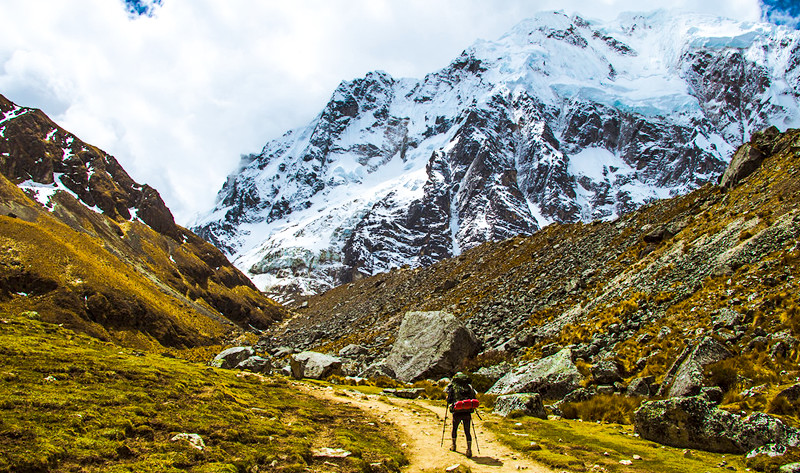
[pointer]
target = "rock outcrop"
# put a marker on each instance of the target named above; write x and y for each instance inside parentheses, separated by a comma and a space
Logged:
(686, 378)
(430, 345)
(552, 377)
(695, 422)
(529, 404)
(748, 158)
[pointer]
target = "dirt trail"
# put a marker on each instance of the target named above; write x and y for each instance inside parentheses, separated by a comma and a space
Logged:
(421, 422)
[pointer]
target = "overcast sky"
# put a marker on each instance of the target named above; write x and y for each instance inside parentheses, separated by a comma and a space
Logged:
(179, 95)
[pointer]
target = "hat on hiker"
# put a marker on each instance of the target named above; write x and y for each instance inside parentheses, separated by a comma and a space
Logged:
(461, 378)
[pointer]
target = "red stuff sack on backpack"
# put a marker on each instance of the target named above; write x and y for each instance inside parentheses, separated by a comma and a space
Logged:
(466, 405)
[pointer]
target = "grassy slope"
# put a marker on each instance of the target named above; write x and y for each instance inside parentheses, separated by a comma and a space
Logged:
(69, 402)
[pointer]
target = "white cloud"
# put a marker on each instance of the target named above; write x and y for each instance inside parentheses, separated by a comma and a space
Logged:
(179, 96)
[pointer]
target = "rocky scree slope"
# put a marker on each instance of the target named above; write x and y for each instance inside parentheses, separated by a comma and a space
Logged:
(82, 244)
(722, 261)
(560, 120)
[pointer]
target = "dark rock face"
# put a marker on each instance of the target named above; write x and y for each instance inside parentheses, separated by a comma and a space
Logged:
(727, 86)
(430, 345)
(694, 422)
(95, 177)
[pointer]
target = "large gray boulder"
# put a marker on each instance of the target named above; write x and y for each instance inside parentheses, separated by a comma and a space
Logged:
(430, 345)
(695, 422)
(685, 377)
(231, 357)
(529, 404)
(553, 377)
(311, 364)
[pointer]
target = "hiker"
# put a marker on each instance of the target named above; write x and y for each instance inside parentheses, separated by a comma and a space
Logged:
(462, 403)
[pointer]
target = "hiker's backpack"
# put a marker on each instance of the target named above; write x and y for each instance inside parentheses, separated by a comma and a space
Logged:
(464, 398)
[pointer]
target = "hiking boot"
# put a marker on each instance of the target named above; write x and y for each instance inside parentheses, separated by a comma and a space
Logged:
(469, 450)
(453, 447)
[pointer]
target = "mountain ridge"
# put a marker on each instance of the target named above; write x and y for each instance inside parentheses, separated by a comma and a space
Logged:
(83, 244)
(559, 120)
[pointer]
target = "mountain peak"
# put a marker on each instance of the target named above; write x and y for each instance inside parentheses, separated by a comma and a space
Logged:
(559, 120)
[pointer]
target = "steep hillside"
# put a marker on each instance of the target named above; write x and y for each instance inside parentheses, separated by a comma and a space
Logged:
(82, 244)
(559, 120)
(720, 261)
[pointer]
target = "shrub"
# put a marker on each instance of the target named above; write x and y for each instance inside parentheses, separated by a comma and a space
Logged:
(479, 382)
(605, 408)
(432, 390)
(781, 406)
(724, 375)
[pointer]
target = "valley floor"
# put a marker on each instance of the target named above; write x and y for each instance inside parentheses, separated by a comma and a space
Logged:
(421, 423)
(520, 444)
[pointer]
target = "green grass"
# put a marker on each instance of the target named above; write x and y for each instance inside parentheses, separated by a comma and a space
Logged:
(579, 446)
(69, 402)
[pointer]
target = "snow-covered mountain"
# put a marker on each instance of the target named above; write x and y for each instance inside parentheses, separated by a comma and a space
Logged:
(559, 120)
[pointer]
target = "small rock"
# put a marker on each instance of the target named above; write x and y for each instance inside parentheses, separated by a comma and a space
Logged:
(326, 452)
(792, 393)
(194, 440)
(625, 462)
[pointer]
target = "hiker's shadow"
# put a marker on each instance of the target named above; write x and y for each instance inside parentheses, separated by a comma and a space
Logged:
(488, 461)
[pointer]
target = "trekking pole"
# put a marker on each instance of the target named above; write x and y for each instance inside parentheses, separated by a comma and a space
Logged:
(444, 426)
(478, 447)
